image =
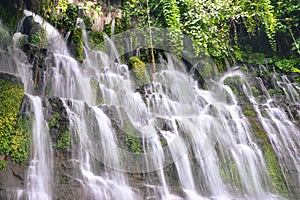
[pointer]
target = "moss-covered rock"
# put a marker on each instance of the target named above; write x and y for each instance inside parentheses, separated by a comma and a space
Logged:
(14, 128)
(275, 174)
(139, 69)
(59, 125)
(230, 174)
(75, 44)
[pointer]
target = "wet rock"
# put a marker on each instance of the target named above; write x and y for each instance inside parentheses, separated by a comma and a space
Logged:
(11, 180)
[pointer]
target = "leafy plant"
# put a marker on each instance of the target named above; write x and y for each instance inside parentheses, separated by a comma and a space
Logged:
(288, 65)
(212, 25)
(172, 17)
(3, 164)
(133, 143)
(54, 123)
(14, 129)
(63, 142)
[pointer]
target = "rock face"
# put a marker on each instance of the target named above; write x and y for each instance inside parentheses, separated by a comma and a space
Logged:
(12, 179)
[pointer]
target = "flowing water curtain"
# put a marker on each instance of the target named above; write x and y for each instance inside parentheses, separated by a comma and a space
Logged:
(40, 171)
(173, 95)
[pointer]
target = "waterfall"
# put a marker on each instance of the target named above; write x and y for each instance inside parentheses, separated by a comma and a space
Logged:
(39, 182)
(182, 164)
(282, 132)
(171, 140)
(112, 183)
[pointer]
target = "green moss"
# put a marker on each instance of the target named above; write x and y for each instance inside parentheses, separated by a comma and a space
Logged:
(163, 143)
(274, 171)
(271, 92)
(208, 70)
(235, 84)
(76, 38)
(14, 129)
(229, 173)
(131, 141)
(244, 69)
(138, 68)
(249, 113)
(255, 91)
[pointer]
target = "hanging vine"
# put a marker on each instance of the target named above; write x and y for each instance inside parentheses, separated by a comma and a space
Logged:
(172, 17)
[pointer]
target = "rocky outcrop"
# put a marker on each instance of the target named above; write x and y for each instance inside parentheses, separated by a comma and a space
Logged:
(12, 180)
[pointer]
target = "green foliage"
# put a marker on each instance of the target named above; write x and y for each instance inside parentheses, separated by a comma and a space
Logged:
(131, 141)
(257, 14)
(14, 129)
(138, 68)
(288, 65)
(172, 17)
(76, 38)
(54, 122)
(63, 15)
(38, 38)
(96, 38)
(60, 132)
(206, 23)
(20, 140)
(62, 5)
(287, 13)
(89, 7)
(63, 141)
(212, 25)
(3, 164)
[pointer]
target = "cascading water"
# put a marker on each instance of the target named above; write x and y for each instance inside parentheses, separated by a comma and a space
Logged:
(112, 184)
(202, 134)
(40, 170)
(282, 132)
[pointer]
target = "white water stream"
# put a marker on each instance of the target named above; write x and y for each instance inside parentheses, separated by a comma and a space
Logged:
(204, 130)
